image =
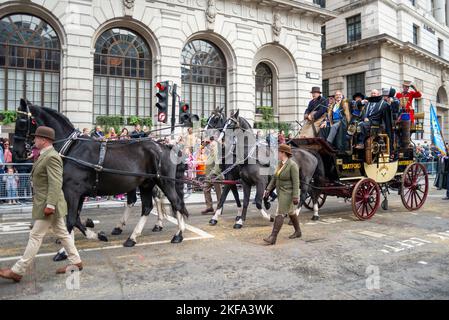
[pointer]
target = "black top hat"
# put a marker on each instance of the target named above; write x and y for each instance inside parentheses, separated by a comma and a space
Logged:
(358, 94)
(315, 89)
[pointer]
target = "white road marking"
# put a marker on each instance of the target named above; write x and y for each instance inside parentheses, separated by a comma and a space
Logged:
(201, 235)
(422, 262)
(196, 230)
(372, 234)
(102, 248)
(14, 227)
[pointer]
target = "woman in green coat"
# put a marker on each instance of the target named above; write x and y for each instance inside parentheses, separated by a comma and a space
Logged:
(286, 181)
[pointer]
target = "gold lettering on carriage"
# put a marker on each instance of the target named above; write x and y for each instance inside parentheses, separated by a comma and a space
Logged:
(350, 166)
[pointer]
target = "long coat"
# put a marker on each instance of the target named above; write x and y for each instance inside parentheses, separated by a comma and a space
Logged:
(47, 185)
(286, 181)
(441, 174)
(318, 108)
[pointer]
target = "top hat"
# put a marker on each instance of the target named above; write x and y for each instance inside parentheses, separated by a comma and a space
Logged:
(358, 94)
(315, 89)
(45, 132)
(286, 149)
(385, 92)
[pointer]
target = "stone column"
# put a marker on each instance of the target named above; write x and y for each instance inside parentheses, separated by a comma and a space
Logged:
(440, 11)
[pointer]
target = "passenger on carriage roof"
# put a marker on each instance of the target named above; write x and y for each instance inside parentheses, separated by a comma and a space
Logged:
(317, 106)
(357, 104)
(338, 114)
(314, 115)
(373, 115)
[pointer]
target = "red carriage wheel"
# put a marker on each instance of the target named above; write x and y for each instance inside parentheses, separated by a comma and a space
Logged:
(309, 204)
(414, 187)
(365, 199)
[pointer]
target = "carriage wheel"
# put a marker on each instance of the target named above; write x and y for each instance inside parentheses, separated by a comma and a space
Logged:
(415, 186)
(365, 199)
(309, 204)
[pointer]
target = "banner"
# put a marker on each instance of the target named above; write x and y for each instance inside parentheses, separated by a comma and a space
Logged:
(437, 137)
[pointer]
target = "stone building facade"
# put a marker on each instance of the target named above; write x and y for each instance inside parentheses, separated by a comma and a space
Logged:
(88, 58)
(380, 43)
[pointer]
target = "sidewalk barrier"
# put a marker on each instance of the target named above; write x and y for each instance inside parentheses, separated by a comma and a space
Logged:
(15, 185)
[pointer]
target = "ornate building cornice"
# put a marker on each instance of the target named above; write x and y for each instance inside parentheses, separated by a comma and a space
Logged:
(393, 43)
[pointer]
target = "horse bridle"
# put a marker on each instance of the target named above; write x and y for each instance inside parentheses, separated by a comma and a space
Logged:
(214, 115)
(31, 125)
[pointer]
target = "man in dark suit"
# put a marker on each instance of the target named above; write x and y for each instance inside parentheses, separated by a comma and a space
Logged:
(97, 134)
(373, 114)
(137, 133)
(315, 113)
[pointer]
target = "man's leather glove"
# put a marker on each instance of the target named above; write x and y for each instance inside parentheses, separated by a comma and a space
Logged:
(48, 211)
(295, 201)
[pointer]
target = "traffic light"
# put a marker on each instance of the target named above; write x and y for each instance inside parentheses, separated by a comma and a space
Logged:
(162, 104)
(184, 113)
(185, 117)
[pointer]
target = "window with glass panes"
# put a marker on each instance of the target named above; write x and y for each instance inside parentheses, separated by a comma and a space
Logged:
(122, 75)
(325, 90)
(354, 28)
(203, 77)
(355, 83)
(30, 62)
(323, 37)
(415, 34)
(264, 87)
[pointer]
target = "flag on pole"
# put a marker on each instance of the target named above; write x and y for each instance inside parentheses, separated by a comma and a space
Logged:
(437, 137)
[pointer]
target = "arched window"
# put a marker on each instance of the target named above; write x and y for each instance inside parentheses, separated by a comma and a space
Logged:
(264, 86)
(30, 62)
(122, 75)
(203, 77)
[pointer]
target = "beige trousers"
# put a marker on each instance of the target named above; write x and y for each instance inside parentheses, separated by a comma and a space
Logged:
(37, 234)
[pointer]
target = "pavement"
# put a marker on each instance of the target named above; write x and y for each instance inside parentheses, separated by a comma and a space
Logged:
(395, 255)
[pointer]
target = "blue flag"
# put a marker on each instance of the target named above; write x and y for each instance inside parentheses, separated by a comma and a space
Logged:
(437, 137)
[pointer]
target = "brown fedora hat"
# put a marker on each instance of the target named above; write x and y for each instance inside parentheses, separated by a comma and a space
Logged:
(45, 132)
(286, 149)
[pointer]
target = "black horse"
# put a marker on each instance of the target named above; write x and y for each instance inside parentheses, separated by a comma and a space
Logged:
(141, 163)
(237, 133)
(312, 171)
(216, 123)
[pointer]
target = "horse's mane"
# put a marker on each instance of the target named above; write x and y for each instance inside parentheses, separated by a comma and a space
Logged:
(245, 122)
(58, 116)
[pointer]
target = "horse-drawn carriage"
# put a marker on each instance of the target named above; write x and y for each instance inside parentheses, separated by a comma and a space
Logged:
(387, 163)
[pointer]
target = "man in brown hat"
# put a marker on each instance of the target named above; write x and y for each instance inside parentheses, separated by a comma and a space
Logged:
(315, 113)
(49, 207)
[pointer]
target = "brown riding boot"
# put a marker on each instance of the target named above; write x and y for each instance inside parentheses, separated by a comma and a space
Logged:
(295, 222)
(278, 222)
